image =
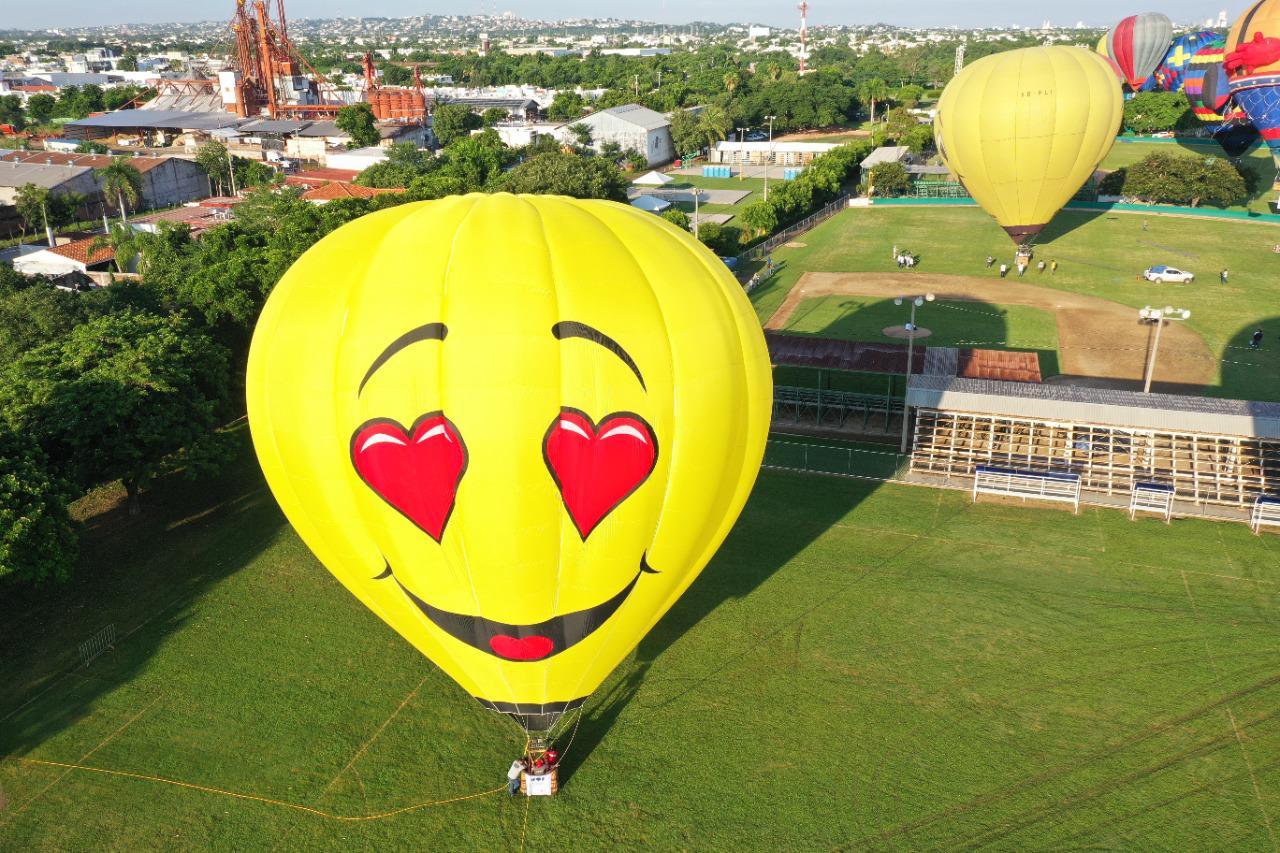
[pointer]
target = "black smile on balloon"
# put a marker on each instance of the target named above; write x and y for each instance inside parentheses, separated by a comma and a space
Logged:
(538, 641)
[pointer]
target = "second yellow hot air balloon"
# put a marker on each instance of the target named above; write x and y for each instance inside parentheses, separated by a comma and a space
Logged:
(1023, 130)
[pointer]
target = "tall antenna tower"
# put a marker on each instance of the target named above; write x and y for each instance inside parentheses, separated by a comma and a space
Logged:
(804, 33)
(959, 57)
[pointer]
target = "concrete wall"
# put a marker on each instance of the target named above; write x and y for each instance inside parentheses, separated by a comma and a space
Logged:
(82, 183)
(174, 182)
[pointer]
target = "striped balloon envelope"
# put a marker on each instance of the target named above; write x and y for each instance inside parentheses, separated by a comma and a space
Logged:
(1138, 44)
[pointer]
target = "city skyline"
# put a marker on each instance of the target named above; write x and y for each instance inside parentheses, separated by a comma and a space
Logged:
(941, 13)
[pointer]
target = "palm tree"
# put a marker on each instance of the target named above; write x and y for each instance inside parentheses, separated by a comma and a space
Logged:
(122, 181)
(873, 90)
(129, 244)
(713, 125)
(731, 82)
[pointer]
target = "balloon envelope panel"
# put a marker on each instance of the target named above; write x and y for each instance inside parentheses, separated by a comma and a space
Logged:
(1024, 129)
(515, 427)
(1138, 43)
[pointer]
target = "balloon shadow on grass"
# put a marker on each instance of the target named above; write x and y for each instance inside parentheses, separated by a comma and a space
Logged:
(138, 576)
(1248, 373)
(789, 509)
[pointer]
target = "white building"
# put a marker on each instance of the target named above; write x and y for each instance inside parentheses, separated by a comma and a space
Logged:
(728, 152)
(357, 159)
(631, 126)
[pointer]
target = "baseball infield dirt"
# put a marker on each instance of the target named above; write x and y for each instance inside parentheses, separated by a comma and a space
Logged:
(1100, 342)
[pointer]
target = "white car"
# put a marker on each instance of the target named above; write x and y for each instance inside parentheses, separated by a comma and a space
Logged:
(1162, 274)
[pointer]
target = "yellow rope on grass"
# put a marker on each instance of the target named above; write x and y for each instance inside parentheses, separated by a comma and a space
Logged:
(254, 797)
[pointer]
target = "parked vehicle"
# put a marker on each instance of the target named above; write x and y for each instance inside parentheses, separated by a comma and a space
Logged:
(1163, 274)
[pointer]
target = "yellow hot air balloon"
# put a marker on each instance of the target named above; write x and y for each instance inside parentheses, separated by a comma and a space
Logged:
(515, 427)
(1023, 130)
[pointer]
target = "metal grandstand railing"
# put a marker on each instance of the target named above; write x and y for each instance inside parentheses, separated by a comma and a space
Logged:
(862, 462)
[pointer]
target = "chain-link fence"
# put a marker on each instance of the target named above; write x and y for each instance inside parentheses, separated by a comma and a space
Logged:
(761, 249)
(849, 461)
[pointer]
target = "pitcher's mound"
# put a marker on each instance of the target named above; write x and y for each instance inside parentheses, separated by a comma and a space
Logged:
(901, 332)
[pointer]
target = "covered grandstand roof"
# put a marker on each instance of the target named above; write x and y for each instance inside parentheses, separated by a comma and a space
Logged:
(1100, 406)
(158, 120)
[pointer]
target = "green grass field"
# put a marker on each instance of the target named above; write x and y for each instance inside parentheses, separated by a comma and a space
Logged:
(753, 186)
(1101, 254)
(861, 666)
(1258, 160)
(951, 324)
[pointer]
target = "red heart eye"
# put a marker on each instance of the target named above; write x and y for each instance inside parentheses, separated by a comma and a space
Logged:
(417, 471)
(598, 467)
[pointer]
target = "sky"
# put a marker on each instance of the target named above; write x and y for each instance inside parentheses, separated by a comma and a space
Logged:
(966, 13)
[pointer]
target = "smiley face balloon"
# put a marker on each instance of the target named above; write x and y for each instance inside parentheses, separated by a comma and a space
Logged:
(515, 427)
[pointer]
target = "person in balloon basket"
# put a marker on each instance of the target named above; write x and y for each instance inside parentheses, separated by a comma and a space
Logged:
(513, 776)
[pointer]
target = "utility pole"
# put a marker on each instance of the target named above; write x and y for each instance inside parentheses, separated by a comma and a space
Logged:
(1159, 315)
(746, 158)
(697, 194)
(231, 170)
(768, 161)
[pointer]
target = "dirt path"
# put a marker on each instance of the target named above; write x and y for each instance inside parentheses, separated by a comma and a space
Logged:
(1099, 341)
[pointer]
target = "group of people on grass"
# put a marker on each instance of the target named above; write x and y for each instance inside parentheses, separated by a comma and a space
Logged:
(534, 765)
(1021, 261)
(904, 259)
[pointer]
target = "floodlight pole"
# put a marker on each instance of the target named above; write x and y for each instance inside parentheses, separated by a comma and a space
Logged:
(697, 193)
(916, 302)
(768, 161)
(1159, 315)
(742, 140)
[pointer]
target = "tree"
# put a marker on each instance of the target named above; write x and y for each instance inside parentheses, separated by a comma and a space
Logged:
(581, 134)
(117, 396)
(1158, 112)
(11, 111)
(493, 116)
(394, 75)
(760, 216)
(1167, 178)
(676, 217)
(899, 124)
(37, 541)
(128, 62)
(36, 315)
(889, 179)
(31, 202)
(122, 181)
(909, 95)
(40, 108)
(212, 157)
(873, 91)
(567, 174)
(566, 106)
(357, 121)
(453, 121)
(686, 133)
(713, 125)
(405, 163)
(88, 146)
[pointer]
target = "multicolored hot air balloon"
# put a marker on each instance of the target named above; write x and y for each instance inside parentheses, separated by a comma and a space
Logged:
(515, 427)
(1023, 130)
(1137, 44)
(1252, 63)
(1209, 93)
(1169, 74)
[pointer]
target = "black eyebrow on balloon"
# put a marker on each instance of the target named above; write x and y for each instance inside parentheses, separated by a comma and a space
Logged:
(429, 332)
(571, 329)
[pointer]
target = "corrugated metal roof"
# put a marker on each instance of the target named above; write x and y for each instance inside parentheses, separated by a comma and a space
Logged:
(266, 125)
(321, 128)
(1005, 365)
(16, 174)
(1100, 406)
(641, 117)
(159, 119)
(885, 154)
